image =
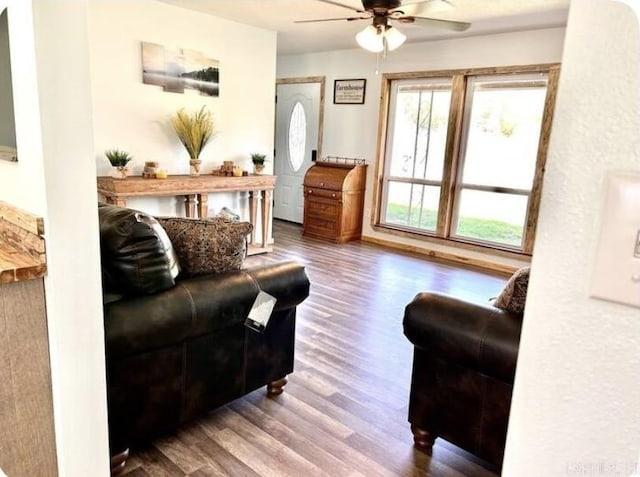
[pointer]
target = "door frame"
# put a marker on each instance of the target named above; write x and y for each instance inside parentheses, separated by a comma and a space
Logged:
(308, 79)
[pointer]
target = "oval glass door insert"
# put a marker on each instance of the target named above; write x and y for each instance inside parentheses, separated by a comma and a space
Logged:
(297, 136)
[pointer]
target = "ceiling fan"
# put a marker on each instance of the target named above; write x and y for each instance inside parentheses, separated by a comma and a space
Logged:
(380, 35)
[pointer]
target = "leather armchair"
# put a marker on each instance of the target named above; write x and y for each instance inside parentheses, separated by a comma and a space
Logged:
(463, 370)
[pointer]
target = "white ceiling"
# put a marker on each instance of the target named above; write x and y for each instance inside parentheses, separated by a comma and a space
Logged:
(486, 16)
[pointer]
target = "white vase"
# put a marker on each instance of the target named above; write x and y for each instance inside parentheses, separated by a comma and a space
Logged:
(119, 172)
(258, 169)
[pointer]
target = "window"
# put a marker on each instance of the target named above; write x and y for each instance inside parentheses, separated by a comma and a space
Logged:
(464, 154)
(418, 126)
(297, 136)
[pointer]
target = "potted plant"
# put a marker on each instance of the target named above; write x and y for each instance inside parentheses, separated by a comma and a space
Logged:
(194, 131)
(258, 160)
(119, 160)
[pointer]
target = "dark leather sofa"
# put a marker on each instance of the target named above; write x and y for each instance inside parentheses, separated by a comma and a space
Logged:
(173, 355)
(463, 370)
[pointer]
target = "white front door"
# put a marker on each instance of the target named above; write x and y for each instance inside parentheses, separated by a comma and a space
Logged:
(297, 116)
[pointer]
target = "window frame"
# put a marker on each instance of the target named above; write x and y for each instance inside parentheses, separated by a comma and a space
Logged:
(424, 182)
(453, 160)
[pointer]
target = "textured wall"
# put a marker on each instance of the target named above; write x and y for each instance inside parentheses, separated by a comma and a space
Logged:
(577, 392)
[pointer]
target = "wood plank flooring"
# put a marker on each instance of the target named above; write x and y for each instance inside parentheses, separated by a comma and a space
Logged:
(344, 410)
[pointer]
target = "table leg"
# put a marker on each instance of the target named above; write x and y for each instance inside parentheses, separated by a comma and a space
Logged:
(190, 205)
(266, 217)
(253, 211)
(203, 205)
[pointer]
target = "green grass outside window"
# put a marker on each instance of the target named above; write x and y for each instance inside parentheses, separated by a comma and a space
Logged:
(471, 227)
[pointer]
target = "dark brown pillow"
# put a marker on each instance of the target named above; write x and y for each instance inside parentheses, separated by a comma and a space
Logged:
(206, 246)
(514, 294)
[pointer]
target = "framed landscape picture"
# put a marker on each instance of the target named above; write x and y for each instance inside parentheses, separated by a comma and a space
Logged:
(349, 91)
(179, 69)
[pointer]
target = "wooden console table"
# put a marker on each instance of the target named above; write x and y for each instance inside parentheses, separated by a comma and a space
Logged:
(196, 193)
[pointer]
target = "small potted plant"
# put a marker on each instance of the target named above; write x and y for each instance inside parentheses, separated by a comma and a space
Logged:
(258, 162)
(119, 160)
(194, 131)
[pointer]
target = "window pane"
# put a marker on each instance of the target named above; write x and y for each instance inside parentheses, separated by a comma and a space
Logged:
(412, 205)
(503, 129)
(418, 128)
(297, 136)
(491, 217)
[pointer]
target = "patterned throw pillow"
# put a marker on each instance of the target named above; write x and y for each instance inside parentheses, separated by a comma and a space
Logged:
(206, 246)
(514, 294)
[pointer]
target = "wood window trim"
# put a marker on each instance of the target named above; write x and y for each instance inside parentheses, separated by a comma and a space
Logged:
(535, 68)
(533, 210)
(457, 242)
(452, 161)
(452, 149)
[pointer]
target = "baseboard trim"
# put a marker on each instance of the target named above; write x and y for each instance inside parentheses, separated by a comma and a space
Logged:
(444, 256)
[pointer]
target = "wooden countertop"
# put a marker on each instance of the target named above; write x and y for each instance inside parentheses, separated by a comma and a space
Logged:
(22, 248)
(17, 265)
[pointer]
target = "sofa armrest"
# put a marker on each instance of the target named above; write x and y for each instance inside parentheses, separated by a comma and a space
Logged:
(472, 335)
(287, 282)
(198, 306)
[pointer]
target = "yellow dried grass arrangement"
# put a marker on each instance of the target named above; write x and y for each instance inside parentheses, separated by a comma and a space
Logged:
(194, 130)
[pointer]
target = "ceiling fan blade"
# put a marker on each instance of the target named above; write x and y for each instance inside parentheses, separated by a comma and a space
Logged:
(435, 22)
(338, 4)
(416, 2)
(349, 19)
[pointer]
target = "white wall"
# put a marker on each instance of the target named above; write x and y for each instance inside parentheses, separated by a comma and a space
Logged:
(22, 183)
(54, 179)
(7, 124)
(577, 390)
(73, 286)
(134, 116)
(351, 130)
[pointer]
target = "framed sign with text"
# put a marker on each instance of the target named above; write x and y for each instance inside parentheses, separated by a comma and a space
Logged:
(349, 91)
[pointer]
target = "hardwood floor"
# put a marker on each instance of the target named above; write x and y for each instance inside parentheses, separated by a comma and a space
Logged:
(344, 410)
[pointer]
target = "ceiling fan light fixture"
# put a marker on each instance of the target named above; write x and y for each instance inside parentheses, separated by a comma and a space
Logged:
(394, 38)
(371, 39)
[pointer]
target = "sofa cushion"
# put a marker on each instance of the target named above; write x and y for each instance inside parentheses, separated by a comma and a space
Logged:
(514, 294)
(206, 246)
(136, 253)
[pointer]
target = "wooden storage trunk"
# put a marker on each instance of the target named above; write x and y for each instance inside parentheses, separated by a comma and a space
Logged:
(334, 201)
